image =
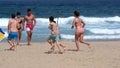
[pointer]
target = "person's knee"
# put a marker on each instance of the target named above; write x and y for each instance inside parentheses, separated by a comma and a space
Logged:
(81, 41)
(48, 40)
(76, 40)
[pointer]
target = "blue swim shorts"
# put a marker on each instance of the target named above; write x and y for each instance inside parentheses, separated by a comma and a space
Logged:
(56, 38)
(13, 36)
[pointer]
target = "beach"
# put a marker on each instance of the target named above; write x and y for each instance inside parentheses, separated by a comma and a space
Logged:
(103, 54)
(102, 19)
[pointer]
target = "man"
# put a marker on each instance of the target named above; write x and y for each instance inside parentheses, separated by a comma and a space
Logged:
(13, 32)
(30, 24)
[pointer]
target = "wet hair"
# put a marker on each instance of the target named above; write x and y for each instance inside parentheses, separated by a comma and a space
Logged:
(18, 13)
(76, 13)
(12, 15)
(28, 10)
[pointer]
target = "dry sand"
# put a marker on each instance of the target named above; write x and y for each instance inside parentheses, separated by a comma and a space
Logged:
(103, 54)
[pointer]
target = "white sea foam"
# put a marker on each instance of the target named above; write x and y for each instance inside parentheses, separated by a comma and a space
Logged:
(104, 31)
(92, 37)
(6, 35)
(69, 20)
(4, 21)
(101, 19)
(99, 27)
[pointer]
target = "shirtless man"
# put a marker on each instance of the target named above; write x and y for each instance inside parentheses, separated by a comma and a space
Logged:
(13, 32)
(30, 24)
(55, 35)
(79, 24)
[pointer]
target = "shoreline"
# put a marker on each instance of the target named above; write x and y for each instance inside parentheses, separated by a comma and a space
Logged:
(64, 40)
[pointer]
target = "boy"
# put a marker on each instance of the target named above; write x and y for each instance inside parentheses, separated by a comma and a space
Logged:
(13, 32)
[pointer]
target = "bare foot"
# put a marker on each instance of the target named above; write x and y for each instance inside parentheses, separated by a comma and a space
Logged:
(12, 48)
(28, 44)
(89, 45)
(52, 48)
(17, 43)
(60, 52)
(64, 48)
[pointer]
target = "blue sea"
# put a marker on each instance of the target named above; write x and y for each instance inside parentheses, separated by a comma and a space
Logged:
(102, 19)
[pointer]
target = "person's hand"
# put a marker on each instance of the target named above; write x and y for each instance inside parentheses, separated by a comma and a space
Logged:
(22, 28)
(72, 27)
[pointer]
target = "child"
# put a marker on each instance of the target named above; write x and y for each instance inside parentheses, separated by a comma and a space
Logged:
(79, 24)
(13, 32)
(55, 35)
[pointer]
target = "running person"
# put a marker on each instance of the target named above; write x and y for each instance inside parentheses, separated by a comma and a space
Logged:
(79, 24)
(55, 35)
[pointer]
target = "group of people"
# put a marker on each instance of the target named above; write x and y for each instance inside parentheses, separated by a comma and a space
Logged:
(16, 25)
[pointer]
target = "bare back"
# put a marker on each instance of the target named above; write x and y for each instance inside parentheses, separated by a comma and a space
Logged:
(13, 25)
(54, 27)
(78, 22)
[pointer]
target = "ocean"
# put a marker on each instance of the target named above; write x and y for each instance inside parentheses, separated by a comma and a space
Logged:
(102, 19)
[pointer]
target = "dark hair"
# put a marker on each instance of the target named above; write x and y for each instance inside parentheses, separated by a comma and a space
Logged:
(76, 13)
(13, 15)
(51, 18)
(28, 10)
(18, 13)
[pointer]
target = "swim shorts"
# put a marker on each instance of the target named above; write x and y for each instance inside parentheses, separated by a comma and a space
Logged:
(13, 36)
(29, 27)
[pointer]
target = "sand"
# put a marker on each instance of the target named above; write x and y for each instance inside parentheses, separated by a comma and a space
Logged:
(103, 54)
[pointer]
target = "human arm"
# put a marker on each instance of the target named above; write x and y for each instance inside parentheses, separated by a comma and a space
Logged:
(34, 19)
(18, 26)
(23, 23)
(83, 23)
(50, 26)
(73, 24)
(9, 22)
